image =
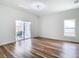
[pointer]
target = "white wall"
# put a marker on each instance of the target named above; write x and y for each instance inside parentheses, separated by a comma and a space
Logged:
(52, 25)
(8, 16)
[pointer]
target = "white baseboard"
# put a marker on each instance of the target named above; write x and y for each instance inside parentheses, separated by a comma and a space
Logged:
(7, 43)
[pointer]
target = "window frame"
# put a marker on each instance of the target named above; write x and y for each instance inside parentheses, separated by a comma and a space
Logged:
(73, 28)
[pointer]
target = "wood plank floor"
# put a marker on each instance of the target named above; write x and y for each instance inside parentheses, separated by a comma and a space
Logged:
(40, 48)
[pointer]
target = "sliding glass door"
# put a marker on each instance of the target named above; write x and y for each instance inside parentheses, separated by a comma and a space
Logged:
(27, 30)
(22, 30)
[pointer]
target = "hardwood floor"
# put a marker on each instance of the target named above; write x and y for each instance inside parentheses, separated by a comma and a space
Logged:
(40, 48)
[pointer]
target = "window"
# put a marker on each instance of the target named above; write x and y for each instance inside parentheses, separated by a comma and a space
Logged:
(69, 28)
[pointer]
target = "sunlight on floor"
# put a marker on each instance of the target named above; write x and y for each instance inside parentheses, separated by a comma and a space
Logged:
(23, 46)
(69, 50)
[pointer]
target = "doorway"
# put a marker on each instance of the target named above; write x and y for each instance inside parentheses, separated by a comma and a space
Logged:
(22, 30)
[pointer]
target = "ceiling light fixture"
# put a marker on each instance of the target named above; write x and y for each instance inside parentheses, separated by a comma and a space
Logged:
(76, 1)
(38, 6)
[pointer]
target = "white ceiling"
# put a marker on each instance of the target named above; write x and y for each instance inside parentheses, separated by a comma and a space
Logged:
(51, 5)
